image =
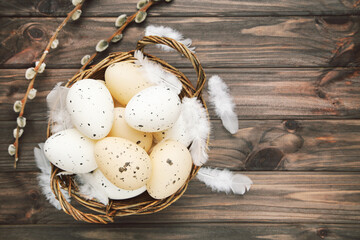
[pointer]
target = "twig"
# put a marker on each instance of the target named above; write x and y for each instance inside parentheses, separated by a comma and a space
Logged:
(31, 84)
(119, 31)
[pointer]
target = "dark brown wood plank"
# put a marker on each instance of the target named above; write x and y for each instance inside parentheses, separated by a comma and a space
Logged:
(258, 93)
(183, 8)
(321, 145)
(228, 42)
(288, 145)
(209, 231)
(286, 197)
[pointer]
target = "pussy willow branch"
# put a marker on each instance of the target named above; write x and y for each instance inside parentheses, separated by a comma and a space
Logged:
(120, 30)
(31, 83)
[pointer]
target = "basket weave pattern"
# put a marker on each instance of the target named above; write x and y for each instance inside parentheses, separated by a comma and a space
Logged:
(141, 204)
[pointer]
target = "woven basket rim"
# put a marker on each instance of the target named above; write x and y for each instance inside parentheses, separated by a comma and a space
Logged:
(105, 214)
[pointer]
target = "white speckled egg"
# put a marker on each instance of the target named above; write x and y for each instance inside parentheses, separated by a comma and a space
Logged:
(178, 133)
(91, 108)
(123, 163)
(121, 129)
(171, 166)
(153, 109)
(71, 151)
(124, 80)
(112, 191)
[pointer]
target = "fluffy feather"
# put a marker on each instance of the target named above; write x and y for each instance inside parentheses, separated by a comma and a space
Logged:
(220, 98)
(56, 101)
(195, 118)
(88, 188)
(224, 180)
(156, 74)
(162, 31)
(44, 177)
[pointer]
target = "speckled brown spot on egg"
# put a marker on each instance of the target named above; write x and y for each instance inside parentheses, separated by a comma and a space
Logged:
(168, 161)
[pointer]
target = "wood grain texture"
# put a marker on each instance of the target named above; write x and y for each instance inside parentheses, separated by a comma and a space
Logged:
(183, 8)
(293, 69)
(332, 41)
(286, 197)
(248, 231)
(258, 93)
(322, 145)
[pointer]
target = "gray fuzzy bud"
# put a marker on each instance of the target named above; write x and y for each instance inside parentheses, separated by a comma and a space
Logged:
(54, 44)
(12, 149)
(85, 59)
(120, 20)
(41, 69)
(76, 2)
(117, 38)
(32, 93)
(21, 122)
(30, 73)
(101, 46)
(140, 17)
(17, 106)
(21, 131)
(141, 3)
(76, 15)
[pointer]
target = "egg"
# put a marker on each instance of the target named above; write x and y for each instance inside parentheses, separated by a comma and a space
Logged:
(91, 108)
(111, 190)
(121, 129)
(124, 80)
(123, 163)
(178, 133)
(71, 151)
(153, 109)
(171, 166)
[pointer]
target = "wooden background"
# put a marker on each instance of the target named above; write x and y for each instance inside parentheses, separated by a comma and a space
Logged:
(293, 69)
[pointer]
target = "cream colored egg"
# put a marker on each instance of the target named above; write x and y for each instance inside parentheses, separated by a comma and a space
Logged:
(178, 133)
(153, 109)
(171, 166)
(111, 190)
(121, 129)
(124, 80)
(123, 163)
(71, 151)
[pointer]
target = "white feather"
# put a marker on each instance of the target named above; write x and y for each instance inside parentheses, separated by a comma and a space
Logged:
(64, 173)
(44, 177)
(162, 31)
(156, 74)
(219, 96)
(89, 188)
(56, 101)
(41, 161)
(198, 125)
(224, 180)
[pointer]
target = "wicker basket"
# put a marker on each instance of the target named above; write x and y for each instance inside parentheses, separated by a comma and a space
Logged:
(142, 204)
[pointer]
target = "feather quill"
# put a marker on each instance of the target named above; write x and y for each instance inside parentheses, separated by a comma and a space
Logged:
(162, 31)
(224, 180)
(44, 177)
(156, 74)
(90, 189)
(56, 102)
(198, 125)
(220, 98)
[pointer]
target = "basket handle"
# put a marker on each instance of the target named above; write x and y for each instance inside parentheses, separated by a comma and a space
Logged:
(181, 48)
